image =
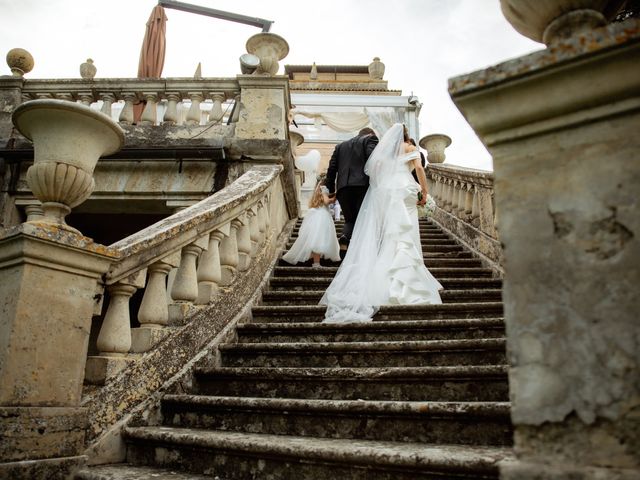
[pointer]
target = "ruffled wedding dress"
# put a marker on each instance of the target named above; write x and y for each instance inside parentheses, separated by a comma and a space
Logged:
(384, 263)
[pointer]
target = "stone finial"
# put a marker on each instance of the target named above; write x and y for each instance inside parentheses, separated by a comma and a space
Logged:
(548, 21)
(314, 72)
(88, 69)
(198, 73)
(376, 69)
(20, 61)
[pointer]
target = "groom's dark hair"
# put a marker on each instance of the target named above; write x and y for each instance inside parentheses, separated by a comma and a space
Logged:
(366, 131)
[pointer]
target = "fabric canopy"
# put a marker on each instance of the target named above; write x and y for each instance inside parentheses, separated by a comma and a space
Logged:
(339, 121)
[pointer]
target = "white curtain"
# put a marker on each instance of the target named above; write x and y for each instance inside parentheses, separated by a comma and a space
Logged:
(339, 121)
(382, 119)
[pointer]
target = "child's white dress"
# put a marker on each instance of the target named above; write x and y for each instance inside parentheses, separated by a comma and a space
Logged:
(317, 235)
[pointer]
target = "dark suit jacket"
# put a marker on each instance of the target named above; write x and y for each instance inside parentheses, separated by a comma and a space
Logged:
(424, 164)
(347, 162)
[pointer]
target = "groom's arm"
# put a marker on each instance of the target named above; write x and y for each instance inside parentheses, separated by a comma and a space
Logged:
(332, 169)
(370, 143)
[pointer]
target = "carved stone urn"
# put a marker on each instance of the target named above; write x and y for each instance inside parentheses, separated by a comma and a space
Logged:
(20, 61)
(269, 48)
(376, 69)
(68, 139)
(88, 69)
(435, 144)
(296, 139)
(548, 21)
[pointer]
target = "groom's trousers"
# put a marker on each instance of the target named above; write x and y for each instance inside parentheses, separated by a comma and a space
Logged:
(350, 199)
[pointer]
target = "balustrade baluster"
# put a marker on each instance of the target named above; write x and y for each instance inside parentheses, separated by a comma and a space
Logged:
(153, 309)
(86, 98)
(229, 254)
(254, 229)
(115, 334)
(462, 191)
(262, 220)
(185, 285)
(107, 101)
(194, 114)
(216, 113)
(468, 202)
(209, 268)
(475, 211)
(126, 115)
(65, 96)
(150, 113)
(171, 114)
(236, 110)
(244, 243)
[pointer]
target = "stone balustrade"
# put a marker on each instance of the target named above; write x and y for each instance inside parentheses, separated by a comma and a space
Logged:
(465, 203)
(162, 98)
(222, 233)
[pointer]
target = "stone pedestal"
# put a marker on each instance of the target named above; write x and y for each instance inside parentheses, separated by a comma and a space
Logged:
(48, 294)
(264, 107)
(562, 126)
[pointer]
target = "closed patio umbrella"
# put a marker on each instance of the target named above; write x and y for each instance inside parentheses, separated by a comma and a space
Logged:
(153, 50)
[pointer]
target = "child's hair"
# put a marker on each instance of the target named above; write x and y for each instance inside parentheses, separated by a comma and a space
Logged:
(316, 199)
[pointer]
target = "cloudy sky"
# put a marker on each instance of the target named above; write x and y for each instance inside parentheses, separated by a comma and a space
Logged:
(421, 42)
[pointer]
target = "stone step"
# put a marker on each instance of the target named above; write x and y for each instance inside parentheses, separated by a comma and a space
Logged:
(242, 456)
(427, 247)
(321, 283)
(460, 383)
(438, 272)
(485, 351)
(432, 259)
(122, 471)
(315, 313)
(463, 423)
(312, 297)
(371, 331)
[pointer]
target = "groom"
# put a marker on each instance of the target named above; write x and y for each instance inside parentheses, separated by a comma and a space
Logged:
(347, 162)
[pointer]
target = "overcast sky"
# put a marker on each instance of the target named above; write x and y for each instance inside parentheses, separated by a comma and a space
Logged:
(421, 42)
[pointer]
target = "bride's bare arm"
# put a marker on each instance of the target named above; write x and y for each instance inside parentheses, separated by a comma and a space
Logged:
(422, 179)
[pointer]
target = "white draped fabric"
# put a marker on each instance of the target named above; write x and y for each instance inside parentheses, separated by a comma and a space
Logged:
(339, 121)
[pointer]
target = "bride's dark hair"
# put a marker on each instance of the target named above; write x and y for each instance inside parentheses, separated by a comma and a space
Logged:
(405, 133)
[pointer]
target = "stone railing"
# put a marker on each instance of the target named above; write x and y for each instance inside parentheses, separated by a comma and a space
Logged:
(217, 255)
(161, 98)
(466, 208)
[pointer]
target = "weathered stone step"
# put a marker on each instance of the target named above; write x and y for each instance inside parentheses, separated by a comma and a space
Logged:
(122, 471)
(321, 283)
(312, 297)
(371, 331)
(431, 259)
(459, 383)
(427, 246)
(438, 272)
(315, 313)
(242, 456)
(487, 351)
(463, 423)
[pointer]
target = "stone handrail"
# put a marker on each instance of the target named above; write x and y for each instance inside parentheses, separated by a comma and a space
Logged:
(148, 91)
(464, 197)
(225, 231)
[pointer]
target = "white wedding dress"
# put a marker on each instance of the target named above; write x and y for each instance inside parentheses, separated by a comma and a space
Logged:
(384, 263)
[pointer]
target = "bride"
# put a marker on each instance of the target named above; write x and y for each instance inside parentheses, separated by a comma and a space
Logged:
(384, 263)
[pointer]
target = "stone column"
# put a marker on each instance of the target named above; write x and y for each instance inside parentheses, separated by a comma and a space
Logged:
(171, 114)
(150, 112)
(562, 126)
(126, 114)
(44, 346)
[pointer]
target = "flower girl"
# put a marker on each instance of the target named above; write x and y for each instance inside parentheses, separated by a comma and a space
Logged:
(317, 236)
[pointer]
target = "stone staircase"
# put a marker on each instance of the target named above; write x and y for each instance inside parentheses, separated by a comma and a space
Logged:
(419, 393)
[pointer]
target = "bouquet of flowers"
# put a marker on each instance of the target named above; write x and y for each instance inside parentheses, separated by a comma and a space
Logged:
(428, 208)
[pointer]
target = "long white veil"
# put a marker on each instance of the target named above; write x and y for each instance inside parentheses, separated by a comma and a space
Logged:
(356, 293)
